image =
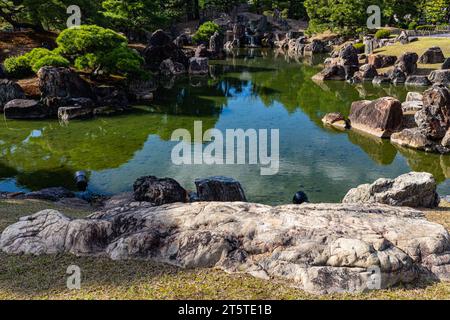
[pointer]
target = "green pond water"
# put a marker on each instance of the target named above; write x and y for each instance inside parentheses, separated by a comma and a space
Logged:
(253, 89)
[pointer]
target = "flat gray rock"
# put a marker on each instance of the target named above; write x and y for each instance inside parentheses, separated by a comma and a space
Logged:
(321, 248)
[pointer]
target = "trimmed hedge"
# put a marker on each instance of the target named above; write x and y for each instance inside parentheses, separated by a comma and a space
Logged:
(382, 34)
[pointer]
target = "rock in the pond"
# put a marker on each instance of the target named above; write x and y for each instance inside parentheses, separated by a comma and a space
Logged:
(198, 66)
(25, 109)
(110, 96)
(429, 121)
(71, 113)
(158, 191)
(201, 51)
(216, 45)
(407, 62)
(380, 118)
(160, 48)
(397, 76)
(432, 55)
(446, 64)
(414, 189)
(347, 242)
(168, 67)
(51, 194)
(440, 77)
(9, 90)
(141, 91)
(335, 119)
(348, 56)
(419, 81)
(366, 72)
(414, 96)
(381, 61)
(335, 72)
(62, 83)
(414, 138)
(219, 189)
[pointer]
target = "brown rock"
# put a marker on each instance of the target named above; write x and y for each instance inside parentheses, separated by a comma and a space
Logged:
(432, 55)
(381, 117)
(381, 61)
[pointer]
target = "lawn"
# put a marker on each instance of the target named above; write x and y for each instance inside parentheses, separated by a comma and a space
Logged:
(419, 47)
(44, 277)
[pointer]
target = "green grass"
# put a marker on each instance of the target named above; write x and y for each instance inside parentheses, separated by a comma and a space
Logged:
(44, 277)
(418, 47)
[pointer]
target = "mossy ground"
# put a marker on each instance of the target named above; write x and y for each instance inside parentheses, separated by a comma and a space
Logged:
(44, 277)
(418, 47)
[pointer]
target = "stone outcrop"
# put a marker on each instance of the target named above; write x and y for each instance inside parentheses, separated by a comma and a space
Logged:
(407, 63)
(62, 83)
(320, 248)
(414, 138)
(380, 117)
(168, 68)
(9, 90)
(25, 109)
(440, 77)
(432, 55)
(219, 189)
(367, 72)
(335, 72)
(158, 191)
(414, 189)
(71, 113)
(381, 61)
(160, 48)
(397, 76)
(414, 96)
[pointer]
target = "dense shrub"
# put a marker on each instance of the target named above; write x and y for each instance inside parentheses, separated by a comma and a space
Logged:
(412, 25)
(205, 32)
(360, 47)
(88, 39)
(17, 67)
(382, 34)
(50, 60)
(123, 60)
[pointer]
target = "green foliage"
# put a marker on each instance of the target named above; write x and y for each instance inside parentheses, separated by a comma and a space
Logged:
(17, 67)
(122, 60)
(88, 38)
(435, 11)
(382, 34)
(412, 25)
(426, 27)
(50, 60)
(359, 47)
(205, 31)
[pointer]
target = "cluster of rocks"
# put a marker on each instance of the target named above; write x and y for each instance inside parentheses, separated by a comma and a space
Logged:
(344, 64)
(65, 94)
(349, 241)
(422, 122)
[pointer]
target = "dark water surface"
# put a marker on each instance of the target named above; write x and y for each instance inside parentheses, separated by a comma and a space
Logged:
(253, 90)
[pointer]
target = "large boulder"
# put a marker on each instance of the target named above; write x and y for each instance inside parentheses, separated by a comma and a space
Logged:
(158, 191)
(414, 138)
(366, 72)
(160, 48)
(432, 55)
(414, 189)
(407, 62)
(62, 83)
(219, 189)
(381, 61)
(440, 77)
(335, 72)
(216, 43)
(381, 117)
(25, 109)
(320, 248)
(397, 76)
(9, 90)
(446, 64)
(414, 96)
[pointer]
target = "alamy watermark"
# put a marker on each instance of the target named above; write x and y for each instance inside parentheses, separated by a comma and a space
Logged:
(74, 19)
(374, 20)
(235, 146)
(74, 278)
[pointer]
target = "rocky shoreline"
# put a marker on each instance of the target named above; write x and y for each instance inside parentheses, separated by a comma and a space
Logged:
(320, 248)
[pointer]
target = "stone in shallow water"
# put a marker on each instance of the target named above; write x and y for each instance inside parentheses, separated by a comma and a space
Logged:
(25, 109)
(158, 191)
(414, 189)
(9, 90)
(52, 194)
(419, 81)
(219, 189)
(70, 113)
(380, 117)
(347, 242)
(440, 77)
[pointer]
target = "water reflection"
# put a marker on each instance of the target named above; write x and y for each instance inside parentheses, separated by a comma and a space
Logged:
(251, 89)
